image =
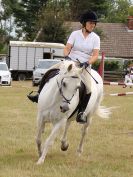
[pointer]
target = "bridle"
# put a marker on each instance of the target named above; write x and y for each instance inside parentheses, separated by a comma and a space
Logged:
(61, 91)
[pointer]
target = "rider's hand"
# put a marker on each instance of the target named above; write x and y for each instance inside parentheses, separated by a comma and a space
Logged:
(67, 58)
(85, 65)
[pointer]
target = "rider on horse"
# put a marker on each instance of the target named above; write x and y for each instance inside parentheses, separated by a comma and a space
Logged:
(84, 45)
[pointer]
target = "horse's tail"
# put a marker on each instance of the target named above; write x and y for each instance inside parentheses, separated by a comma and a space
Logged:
(104, 112)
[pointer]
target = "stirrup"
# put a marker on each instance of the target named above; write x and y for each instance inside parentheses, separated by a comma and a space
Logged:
(81, 118)
(32, 92)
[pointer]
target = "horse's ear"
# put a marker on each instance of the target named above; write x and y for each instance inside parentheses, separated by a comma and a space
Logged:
(69, 67)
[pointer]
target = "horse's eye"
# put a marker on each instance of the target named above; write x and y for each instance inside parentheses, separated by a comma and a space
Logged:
(64, 84)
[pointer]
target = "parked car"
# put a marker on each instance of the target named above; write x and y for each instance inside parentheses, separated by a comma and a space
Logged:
(5, 75)
(41, 68)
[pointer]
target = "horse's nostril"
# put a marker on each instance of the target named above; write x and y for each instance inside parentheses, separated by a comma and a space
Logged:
(63, 109)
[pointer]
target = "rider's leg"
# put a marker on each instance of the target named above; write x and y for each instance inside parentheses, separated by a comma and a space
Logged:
(34, 98)
(82, 116)
(87, 78)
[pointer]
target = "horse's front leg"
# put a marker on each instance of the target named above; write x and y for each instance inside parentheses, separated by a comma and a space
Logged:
(50, 140)
(64, 144)
(40, 130)
(83, 133)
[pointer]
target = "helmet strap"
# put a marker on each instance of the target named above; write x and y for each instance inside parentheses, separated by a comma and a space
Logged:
(87, 31)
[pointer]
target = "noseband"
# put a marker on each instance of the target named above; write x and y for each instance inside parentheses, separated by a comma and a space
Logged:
(61, 91)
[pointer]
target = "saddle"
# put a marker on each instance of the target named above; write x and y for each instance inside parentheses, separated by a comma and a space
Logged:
(47, 76)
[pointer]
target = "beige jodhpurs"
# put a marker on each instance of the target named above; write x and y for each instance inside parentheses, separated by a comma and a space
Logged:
(87, 78)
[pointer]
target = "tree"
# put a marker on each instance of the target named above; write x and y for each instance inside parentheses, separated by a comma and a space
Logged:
(27, 13)
(49, 15)
(29, 17)
(77, 7)
(53, 30)
(5, 23)
(52, 22)
(130, 11)
(118, 11)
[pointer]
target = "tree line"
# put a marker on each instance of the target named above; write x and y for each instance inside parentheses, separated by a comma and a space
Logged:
(43, 20)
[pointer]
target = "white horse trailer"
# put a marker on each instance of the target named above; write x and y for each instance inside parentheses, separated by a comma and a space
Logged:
(23, 56)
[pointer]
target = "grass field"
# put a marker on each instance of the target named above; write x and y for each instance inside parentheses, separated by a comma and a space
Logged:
(108, 147)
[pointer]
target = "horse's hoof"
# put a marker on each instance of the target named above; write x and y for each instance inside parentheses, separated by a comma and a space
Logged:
(40, 161)
(79, 151)
(64, 147)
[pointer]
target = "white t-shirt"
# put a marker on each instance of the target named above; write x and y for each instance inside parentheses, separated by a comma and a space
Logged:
(83, 47)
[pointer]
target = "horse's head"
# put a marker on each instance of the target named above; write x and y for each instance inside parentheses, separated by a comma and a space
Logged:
(68, 85)
(70, 68)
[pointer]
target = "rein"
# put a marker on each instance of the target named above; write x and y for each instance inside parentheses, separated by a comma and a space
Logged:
(88, 72)
(91, 76)
(61, 92)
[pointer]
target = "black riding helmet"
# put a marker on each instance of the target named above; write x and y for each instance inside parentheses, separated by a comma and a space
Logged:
(88, 16)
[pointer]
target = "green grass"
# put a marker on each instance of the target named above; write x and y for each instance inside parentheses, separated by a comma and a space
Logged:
(108, 150)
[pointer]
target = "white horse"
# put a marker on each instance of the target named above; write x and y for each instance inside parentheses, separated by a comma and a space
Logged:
(57, 101)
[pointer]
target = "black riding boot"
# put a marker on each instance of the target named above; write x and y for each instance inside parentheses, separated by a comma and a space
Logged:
(34, 98)
(49, 74)
(82, 117)
(84, 99)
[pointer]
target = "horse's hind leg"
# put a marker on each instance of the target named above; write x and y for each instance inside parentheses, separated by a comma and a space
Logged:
(40, 130)
(83, 132)
(64, 144)
(49, 141)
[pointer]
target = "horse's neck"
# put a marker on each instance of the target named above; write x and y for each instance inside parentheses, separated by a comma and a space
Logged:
(50, 92)
(54, 85)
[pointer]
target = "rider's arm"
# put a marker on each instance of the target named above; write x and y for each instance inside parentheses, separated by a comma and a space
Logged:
(67, 49)
(94, 56)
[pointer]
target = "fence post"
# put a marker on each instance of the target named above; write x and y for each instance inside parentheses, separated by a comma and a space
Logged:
(101, 67)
